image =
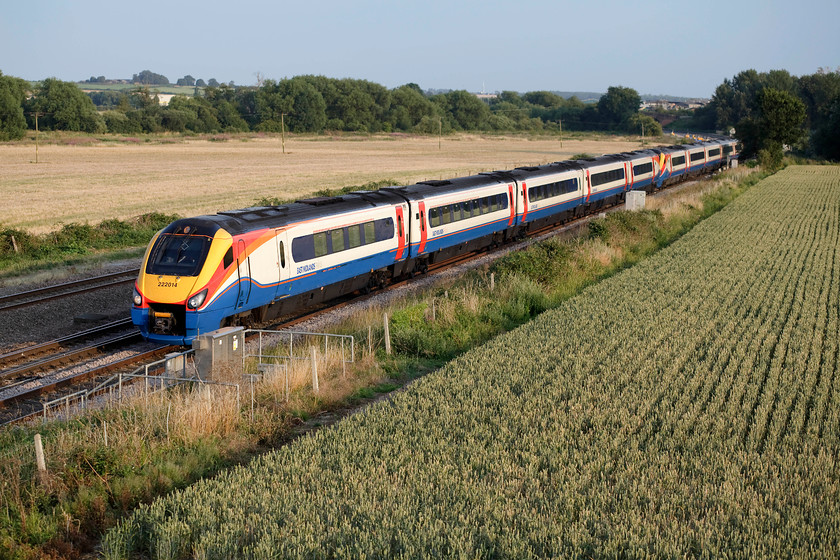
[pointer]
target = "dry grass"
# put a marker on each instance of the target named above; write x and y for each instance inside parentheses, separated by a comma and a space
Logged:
(98, 180)
(690, 196)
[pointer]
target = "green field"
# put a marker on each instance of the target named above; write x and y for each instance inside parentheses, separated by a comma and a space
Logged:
(686, 407)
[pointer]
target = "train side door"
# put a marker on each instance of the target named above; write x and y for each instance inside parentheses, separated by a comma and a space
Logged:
(244, 270)
(284, 263)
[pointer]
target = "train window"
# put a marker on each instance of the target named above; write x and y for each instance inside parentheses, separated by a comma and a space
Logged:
(434, 217)
(727, 149)
(282, 255)
(228, 258)
(370, 233)
(698, 156)
(485, 205)
(643, 168)
(178, 255)
(319, 241)
(714, 153)
(354, 236)
(399, 226)
(337, 236)
(607, 177)
(384, 229)
(679, 160)
(445, 214)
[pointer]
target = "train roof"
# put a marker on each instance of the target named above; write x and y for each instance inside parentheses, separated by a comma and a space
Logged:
(259, 217)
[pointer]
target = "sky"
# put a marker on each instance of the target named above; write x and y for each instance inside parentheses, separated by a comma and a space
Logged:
(672, 48)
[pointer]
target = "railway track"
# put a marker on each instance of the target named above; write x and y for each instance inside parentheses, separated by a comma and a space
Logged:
(21, 402)
(58, 291)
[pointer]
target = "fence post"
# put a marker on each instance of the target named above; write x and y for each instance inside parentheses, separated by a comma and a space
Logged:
(315, 370)
(288, 373)
(343, 361)
(492, 281)
(105, 431)
(387, 335)
(39, 458)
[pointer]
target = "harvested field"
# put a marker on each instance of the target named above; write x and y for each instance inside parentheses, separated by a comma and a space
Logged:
(98, 180)
(687, 407)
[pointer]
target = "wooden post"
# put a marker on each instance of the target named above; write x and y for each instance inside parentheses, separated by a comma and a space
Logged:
(370, 339)
(39, 458)
(560, 122)
(283, 130)
(36, 136)
(492, 281)
(434, 312)
(315, 370)
(387, 335)
(15, 245)
(105, 431)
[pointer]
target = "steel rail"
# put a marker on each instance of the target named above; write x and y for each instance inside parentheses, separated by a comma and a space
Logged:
(31, 352)
(75, 287)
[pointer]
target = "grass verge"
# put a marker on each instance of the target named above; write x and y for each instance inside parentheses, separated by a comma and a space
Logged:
(159, 444)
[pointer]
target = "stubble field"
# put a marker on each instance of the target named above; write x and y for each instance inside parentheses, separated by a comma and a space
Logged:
(95, 180)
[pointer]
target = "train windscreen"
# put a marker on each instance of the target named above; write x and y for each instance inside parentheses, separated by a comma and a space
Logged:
(178, 255)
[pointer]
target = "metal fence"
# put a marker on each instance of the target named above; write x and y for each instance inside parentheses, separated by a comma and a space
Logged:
(266, 359)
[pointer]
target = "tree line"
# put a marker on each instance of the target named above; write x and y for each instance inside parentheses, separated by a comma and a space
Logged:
(768, 110)
(306, 104)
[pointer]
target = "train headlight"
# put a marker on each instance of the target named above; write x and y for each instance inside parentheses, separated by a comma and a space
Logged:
(137, 298)
(196, 301)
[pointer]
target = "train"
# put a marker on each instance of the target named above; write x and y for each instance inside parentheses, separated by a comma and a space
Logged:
(255, 264)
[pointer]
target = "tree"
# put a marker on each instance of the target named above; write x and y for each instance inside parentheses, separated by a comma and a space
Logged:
(298, 99)
(12, 96)
(545, 99)
(200, 83)
(644, 125)
(185, 81)
(466, 111)
(212, 82)
(776, 121)
(148, 77)
(408, 107)
(190, 113)
(618, 105)
(65, 107)
(825, 139)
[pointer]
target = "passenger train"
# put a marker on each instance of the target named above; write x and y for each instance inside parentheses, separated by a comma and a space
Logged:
(255, 264)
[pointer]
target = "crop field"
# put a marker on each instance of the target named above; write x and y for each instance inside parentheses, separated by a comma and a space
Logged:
(86, 179)
(686, 407)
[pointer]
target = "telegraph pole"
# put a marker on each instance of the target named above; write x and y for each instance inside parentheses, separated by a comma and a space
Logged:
(37, 114)
(283, 131)
(560, 124)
